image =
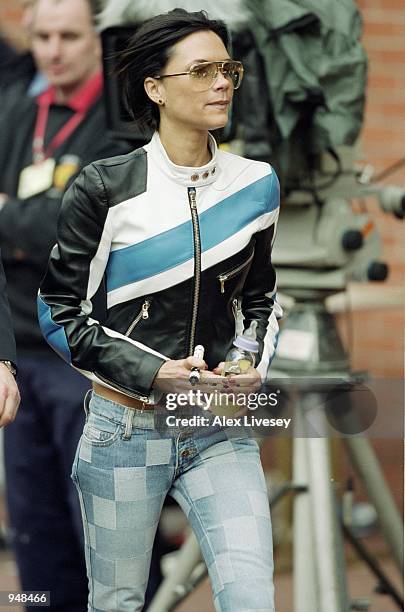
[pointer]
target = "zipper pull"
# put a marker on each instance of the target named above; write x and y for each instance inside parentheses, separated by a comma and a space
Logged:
(192, 197)
(235, 307)
(222, 280)
(145, 308)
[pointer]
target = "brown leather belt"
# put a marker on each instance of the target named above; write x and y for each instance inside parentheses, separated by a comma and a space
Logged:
(120, 398)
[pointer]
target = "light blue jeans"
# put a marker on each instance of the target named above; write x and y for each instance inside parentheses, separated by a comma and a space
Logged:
(127, 462)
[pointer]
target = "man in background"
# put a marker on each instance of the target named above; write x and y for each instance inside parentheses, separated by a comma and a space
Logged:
(44, 141)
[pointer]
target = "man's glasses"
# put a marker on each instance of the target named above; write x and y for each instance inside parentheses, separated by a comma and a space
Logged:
(204, 75)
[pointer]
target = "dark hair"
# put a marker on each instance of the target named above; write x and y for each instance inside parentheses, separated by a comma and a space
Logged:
(149, 51)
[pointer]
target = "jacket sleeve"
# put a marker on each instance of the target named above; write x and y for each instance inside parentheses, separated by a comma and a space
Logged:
(259, 293)
(75, 272)
(7, 343)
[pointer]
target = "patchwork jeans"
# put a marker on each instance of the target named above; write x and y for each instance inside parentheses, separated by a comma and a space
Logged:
(125, 465)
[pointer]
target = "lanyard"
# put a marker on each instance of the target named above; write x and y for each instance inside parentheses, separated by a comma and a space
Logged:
(80, 102)
(39, 153)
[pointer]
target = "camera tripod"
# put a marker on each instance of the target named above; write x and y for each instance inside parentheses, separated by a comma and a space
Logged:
(318, 559)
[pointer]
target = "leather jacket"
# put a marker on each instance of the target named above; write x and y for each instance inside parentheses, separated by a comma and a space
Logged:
(175, 252)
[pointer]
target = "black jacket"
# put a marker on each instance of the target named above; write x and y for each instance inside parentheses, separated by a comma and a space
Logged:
(28, 227)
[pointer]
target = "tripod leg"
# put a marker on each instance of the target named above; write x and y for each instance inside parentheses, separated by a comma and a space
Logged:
(327, 535)
(328, 542)
(366, 464)
(171, 589)
(305, 584)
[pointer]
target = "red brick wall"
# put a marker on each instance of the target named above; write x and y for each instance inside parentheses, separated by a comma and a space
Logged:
(10, 13)
(378, 334)
(384, 128)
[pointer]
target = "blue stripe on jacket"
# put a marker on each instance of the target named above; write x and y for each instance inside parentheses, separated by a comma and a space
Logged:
(174, 246)
(53, 333)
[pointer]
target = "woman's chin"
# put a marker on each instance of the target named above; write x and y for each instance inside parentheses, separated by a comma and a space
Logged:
(218, 124)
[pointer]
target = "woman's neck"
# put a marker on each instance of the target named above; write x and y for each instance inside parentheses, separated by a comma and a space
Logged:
(185, 148)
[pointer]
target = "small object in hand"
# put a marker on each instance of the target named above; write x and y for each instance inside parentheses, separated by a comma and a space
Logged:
(195, 375)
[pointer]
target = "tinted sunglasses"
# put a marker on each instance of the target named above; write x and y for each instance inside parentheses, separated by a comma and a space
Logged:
(204, 75)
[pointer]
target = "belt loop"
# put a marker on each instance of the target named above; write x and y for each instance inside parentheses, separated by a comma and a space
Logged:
(86, 403)
(129, 416)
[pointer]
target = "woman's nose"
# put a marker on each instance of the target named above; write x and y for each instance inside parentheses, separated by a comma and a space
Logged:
(221, 80)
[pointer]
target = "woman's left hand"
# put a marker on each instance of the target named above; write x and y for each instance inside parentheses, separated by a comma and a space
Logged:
(248, 382)
(241, 384)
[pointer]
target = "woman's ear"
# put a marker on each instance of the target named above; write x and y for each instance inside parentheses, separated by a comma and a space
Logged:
(153, 90)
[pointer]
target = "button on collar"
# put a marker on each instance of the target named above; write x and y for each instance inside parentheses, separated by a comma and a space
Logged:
(185, 175)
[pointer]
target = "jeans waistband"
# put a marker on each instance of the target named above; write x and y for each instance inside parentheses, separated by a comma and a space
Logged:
(117, 412)
(149, 419)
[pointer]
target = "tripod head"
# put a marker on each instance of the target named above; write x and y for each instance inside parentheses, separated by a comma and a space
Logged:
(322, 242)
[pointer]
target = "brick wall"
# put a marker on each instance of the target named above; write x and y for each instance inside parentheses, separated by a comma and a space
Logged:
(9, 16)
(378, 334)
(9, 11)
(384, 127)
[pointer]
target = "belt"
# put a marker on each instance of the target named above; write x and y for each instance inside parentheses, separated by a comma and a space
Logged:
(120, 398)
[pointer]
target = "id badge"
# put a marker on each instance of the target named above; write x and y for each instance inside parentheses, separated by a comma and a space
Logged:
(35, 179)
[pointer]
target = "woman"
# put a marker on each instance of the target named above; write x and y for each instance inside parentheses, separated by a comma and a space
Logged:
(180, 233)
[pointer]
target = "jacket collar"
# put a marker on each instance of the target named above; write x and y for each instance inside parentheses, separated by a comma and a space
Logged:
(186, 175)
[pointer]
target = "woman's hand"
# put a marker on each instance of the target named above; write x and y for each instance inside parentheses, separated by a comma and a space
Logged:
(248, 382)
(241, 384)
(173, 376)
(9, 396)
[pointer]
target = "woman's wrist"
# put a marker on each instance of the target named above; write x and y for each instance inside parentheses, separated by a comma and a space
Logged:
(9, 365)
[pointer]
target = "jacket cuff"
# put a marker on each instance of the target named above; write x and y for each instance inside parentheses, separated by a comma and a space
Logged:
(147, 373)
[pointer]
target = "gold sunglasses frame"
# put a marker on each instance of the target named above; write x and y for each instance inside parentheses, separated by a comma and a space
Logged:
(219, 67)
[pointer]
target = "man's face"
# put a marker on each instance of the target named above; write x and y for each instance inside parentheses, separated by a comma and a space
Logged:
(65, 45)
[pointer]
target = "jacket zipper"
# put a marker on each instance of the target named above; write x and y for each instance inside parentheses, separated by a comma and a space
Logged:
(224, 277)
(114, 385)
(143, 314)
(197, 264)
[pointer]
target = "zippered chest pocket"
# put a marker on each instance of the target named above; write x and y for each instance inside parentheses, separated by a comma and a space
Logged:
(142, 314)
(229, 274)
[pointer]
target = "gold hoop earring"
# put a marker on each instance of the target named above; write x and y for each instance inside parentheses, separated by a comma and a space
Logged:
(160, 101)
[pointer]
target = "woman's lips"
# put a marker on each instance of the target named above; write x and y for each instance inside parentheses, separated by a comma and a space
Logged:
(219, 105)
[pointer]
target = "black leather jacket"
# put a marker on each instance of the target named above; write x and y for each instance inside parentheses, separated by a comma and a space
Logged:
(175, 253)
